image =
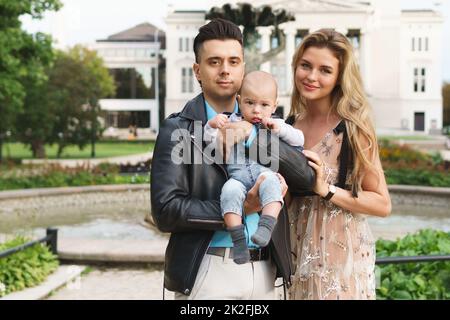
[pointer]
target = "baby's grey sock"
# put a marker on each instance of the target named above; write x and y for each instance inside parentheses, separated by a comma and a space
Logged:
(240, 249)
(263, 234)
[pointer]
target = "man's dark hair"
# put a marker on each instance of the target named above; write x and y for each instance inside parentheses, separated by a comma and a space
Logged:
(216, 29)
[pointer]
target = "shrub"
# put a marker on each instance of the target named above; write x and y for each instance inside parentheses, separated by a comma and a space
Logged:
(25, 177)
(404, 165)
(392, 153)
(425, 280)
(26, 268)
(419, 177)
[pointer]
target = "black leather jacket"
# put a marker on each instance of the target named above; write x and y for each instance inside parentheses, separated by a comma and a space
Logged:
(185, 200)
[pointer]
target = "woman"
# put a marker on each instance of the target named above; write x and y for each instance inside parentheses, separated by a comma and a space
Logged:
(332, 244)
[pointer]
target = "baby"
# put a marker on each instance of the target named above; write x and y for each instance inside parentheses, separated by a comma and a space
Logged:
(257, 102)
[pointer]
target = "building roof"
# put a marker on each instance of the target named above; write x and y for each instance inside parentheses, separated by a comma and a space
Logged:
(299, 6)
(190, 11)
(144, 32)
(424, 14)
(418, 10)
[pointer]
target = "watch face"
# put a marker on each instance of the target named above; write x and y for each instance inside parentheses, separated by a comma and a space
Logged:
(332, 188)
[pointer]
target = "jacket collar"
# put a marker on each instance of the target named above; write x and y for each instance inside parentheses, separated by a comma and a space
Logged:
(195, 109)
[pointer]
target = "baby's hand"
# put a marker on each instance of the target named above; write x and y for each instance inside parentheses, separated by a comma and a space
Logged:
(271, 124)
(218, 121)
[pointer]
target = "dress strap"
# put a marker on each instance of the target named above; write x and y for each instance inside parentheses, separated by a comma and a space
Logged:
(345, 157)
(290, 120)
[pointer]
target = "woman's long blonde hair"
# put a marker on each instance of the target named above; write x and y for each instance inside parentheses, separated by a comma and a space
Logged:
(348, 101)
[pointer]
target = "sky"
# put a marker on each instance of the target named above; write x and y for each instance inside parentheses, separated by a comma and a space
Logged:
(85, 21)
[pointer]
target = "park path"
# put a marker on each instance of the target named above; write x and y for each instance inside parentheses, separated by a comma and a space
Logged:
(115, 284)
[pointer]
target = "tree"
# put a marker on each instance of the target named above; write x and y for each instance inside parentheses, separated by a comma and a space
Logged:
(77, 82)
(65, 109)
(251, 18)
(23, 57)
(446, 103)
(35, 122)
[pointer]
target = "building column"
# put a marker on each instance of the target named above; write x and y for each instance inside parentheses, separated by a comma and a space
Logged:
(290, 33)
(116, 119)
(265, 33)
(364, 64)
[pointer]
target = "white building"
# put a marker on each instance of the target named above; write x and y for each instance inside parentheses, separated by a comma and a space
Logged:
(132, 57)
(399, 51)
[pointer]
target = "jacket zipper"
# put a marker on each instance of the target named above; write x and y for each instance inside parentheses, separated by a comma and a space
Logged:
(189, 278)
(201, 150)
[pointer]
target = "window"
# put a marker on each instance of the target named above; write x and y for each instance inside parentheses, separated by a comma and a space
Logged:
(413, 44)
(191, 80)
(133, 83)
(274, 42)
(419, 80)
(420, 44)
(426, 44)
(183, 80)
(187, 80)
(184, 44)
(354, 36)
(423, 80)
(301, 34)
(416, 81)
(298, 40)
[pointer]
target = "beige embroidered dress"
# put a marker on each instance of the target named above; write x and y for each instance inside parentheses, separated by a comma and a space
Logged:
(333, 249)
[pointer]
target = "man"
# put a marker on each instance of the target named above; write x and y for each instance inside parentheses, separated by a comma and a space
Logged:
(186, 196)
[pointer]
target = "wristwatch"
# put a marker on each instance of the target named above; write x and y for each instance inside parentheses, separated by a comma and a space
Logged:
(331, 192)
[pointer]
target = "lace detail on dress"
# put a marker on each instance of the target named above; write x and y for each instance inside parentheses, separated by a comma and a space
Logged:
(333, 249)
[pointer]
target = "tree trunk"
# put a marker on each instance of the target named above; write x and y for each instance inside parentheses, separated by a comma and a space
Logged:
(1, 149)
(38, 149)
(60, 150)
(93, 136)
(93, 147)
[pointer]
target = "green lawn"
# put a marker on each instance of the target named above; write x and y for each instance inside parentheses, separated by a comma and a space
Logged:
(102, 149)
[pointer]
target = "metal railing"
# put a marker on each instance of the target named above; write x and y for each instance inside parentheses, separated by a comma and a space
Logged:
(51, 240)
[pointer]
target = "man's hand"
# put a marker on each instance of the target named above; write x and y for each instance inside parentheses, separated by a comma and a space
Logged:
(218, 121)
(252, 203)
(271, 124)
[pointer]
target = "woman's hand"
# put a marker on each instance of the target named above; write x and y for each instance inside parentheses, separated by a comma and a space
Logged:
(252, 203)
(320, 185)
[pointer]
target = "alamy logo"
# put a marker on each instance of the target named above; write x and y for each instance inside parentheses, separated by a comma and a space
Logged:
(197, 148)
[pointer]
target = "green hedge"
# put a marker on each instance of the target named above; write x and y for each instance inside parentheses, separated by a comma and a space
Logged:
(26, 268)
(60, 179)
(425, 280)
(417, 177)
